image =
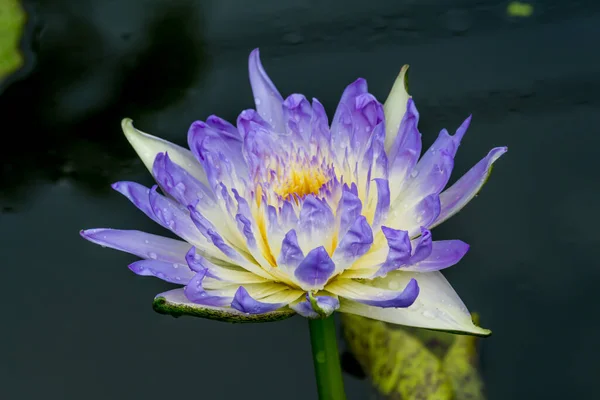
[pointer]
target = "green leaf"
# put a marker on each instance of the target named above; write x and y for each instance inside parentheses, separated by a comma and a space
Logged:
(12, 23)
(411, 363)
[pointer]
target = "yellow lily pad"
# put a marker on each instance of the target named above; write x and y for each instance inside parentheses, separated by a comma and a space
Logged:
(12, 23)
(410, 363)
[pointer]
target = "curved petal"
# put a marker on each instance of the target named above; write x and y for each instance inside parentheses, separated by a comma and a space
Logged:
(316, 224)
(170, 272)
(375, 296)
(437, 307)
(395, 106)
(267, 99)
(399, 250)
(244, 302)
(179, 184)
(148, 146)
(141, 244)
(454, 198)
(175, 303)
(297, 116)
(139, 195)
(317, 306)
(315, 270)
(196, 293)
(220, 155)
(413, 218)
(355, 243)
(444, 254)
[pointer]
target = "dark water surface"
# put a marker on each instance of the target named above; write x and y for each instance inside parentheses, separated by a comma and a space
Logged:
(77, 324)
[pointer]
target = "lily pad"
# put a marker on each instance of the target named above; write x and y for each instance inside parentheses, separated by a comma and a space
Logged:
(175, 304)
(410, 363)
(12, 23)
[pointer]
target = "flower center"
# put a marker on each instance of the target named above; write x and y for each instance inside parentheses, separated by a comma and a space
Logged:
(300, 182)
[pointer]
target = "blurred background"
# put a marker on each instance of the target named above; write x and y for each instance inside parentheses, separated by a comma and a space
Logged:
(77, 324)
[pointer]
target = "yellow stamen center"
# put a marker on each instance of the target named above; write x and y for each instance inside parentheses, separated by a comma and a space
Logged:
(301, 182)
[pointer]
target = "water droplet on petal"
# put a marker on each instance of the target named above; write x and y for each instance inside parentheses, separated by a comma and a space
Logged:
(152, 255)
(428, 314)
(414, 173)
(257, 101)
(175, 266)
(146, 241)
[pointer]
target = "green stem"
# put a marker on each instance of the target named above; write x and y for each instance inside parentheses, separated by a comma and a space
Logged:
(326, 359)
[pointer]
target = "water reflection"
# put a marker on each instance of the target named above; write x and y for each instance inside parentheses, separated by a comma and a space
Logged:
(66, 114)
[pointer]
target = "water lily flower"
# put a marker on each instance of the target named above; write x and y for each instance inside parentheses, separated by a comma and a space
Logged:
(286, 213)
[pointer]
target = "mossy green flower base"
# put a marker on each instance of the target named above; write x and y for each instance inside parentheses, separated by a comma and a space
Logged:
(163, 306)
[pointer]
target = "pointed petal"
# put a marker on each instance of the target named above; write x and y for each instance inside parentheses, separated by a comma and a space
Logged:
(413, 218)
(355, 243)
(315, 224)
(444, 254)
(141, 244)
(315, 270)
(437, 307)
(267, 99)
(382, 207)
(399, 250)
(291, 254)
(148, 146)
(297, 116)
(375, 296)
(458, 195)
(423, 248)
(349, 208)
(174, 217)
(395, 106)
(195, 292)
(167, 271)
(245, 303)
(175, 303)
(138, 195)
(219, 153)
(179, 184)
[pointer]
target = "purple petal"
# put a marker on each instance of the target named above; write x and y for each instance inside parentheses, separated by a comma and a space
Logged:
(342, 127)
(219, 154)
(375, 158)
(319, 127)
(423, 248)
(195, 261)
(355, 243)
(297, 115)
(209, 231)
(366, 115)
(458, 195)
(142, 244)
(195, 293)
(266, 96)
(444, 254)
(178, 183)
(291, 254)
(224, 129)
(242, 301)
(422, 214)
(430, 176)
(138, 195)
(406, 148)
(383, 202)
(326, 306)
(316, 268)
(172, 216)
(316, 222)
(261, 145)
(170, 272)
(399, 250)
(349, 208)
(401, 299)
